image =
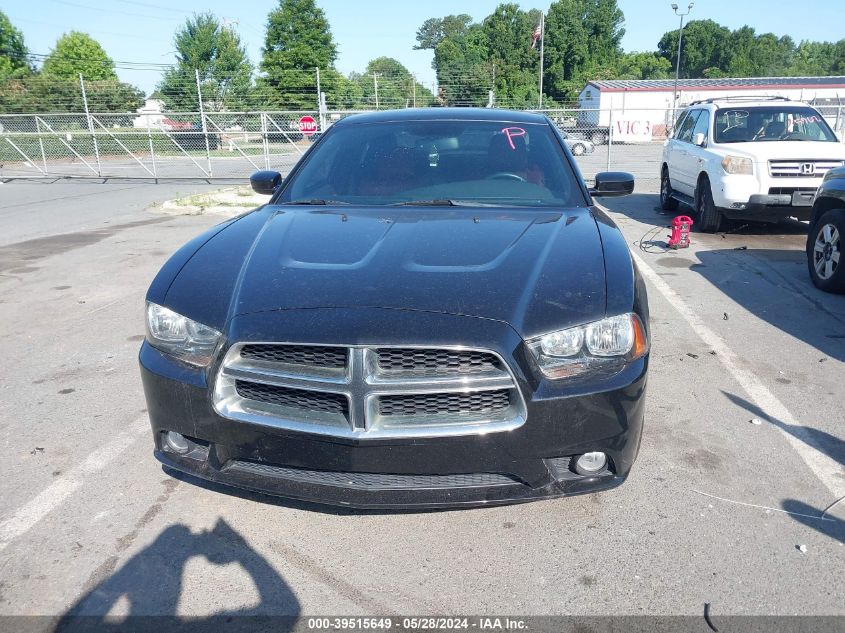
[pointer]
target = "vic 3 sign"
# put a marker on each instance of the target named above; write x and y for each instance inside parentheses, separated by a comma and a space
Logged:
(632, 130)
(307, 125)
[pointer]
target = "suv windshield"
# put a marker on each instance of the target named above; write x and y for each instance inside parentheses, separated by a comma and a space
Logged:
(770, 123)
(472, 163)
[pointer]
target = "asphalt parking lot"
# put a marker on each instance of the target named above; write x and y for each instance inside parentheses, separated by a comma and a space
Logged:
(718, 510)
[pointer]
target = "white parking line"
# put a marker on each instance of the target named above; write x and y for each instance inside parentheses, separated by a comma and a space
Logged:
(824, 467)
(28, 515)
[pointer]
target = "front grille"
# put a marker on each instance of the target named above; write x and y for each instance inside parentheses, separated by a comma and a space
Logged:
(417, 405)
(293, 398)
(319, 356)
(436, 361)
(376, 481)
(374, 392)
(810, 168)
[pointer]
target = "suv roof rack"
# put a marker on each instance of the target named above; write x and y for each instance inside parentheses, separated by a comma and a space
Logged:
(741, 98)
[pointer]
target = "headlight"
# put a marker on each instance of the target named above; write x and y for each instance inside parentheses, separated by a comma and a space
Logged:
(738, 165)
(180, 336)
(603, 345)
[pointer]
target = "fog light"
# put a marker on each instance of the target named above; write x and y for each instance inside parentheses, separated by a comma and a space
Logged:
(590, 463)
(177, 442)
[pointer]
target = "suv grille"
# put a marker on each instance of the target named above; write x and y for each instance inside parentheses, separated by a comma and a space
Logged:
(368, 392)
(445, 403)
(436, 361)
(293, 398)
(312, 355)
(801, 168)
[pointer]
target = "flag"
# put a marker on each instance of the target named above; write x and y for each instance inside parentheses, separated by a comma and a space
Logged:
(538, 33)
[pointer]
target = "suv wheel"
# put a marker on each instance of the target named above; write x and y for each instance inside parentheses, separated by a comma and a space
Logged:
(578, 149)
(667, 202)
(824, 246)
(599, 138)
(709, 216)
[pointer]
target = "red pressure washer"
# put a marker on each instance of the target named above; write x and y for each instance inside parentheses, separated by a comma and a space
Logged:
(680, 232)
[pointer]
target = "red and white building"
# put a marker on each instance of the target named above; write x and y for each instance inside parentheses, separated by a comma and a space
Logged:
(641, 109)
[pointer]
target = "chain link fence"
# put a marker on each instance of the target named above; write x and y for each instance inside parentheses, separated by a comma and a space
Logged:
(231, 145)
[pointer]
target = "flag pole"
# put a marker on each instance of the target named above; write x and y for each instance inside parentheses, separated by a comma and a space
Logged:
(542, 37)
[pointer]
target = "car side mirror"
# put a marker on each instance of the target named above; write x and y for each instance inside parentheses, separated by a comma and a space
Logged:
(265, 182)
(613, 183)
(699, 139)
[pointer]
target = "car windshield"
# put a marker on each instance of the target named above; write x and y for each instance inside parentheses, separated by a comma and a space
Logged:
(466, 163)
(771, 123)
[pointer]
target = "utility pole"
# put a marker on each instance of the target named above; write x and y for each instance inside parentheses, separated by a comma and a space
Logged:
(542, 38)
(414, 89)
(318, 87)
(678, 60)
(375, 85)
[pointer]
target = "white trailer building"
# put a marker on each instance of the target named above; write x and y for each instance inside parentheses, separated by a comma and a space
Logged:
(642, 109)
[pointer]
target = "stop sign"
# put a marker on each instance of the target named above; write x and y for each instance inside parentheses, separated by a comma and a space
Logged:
(307, 125)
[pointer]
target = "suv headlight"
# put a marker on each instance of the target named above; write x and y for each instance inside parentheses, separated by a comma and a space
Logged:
(180, 336)
(738, 165)
(603, 345)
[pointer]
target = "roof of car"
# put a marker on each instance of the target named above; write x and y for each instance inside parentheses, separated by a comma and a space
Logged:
(721, 83)
(444, 114)
(748, 102)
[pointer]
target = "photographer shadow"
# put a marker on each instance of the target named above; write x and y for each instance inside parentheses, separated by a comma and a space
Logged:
(151, 583)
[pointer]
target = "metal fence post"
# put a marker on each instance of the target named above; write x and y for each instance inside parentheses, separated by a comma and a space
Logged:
(202, 119)
(90, 124)
(264, 141)
(41, 144)
(609, 137)
(152, 151)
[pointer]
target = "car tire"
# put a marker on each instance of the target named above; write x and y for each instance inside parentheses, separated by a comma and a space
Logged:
(578, 149)
(709, 215)
(824, 246)
(667, 202)
(599, 138)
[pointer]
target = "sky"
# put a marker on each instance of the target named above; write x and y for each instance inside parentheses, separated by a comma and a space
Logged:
(142, 30)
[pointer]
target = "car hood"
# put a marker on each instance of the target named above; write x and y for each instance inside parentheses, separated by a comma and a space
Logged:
(533, 269)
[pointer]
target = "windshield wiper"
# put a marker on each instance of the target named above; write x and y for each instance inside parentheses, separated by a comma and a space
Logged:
(443, 202)
(316, 201)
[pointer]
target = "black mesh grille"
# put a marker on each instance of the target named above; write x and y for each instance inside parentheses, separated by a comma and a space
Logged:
(436, 361)
(445, 403)
(294, 398)
(309, 355)
(378, 481)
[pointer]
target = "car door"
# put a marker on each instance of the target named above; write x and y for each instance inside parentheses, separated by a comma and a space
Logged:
(682, 155)
(697, 154)
(671, 151)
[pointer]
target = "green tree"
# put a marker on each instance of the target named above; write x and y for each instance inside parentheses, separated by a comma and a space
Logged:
(583, 42)
(435, 30)
(78, 53)
(507, 32)
(40, 93)
(14, 56)
(298, 40)
(705, 45)
(816, 58)
(643, 66)
(397, 87)
(464, 75)
(204, 45)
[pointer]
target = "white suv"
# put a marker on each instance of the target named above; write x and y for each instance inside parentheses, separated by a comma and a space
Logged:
(743, 158)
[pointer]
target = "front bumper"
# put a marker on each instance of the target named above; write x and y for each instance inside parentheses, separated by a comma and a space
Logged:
(525, 463)
(738, 196)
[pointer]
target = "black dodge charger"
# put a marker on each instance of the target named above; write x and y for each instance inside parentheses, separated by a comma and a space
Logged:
(429, 312)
